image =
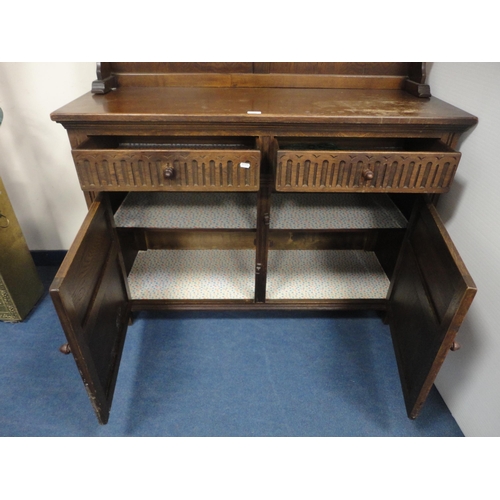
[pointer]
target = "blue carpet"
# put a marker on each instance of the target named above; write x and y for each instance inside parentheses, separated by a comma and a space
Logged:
(216, 374)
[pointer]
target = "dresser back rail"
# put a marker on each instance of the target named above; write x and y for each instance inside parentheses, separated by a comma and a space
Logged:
(271, 74)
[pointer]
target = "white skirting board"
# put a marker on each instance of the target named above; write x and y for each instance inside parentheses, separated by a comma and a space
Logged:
(229, 274)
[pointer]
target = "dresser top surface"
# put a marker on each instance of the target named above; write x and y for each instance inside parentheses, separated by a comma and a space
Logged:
(266, 105)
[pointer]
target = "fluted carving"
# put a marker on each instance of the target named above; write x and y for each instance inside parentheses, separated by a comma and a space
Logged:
(370, 171)
(186, 170)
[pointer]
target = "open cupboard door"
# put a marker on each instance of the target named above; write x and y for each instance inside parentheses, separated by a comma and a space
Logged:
(90, 294)
(428, 299)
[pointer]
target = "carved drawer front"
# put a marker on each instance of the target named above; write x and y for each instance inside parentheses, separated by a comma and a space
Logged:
(168, 164)
(329, 165)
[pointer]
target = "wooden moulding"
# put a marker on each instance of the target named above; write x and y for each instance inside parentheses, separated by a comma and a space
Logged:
(304, 68)
(250, 305)
(188, 239)
(268, 81)
(279, 239)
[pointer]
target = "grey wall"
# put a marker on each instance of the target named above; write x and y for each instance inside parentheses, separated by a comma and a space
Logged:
(469, 380)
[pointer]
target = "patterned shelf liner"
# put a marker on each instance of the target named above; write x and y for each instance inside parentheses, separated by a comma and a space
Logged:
(325, 274)
(193, 274)
(188, 210)
(238, 210)
(334, 211)
(229, 274)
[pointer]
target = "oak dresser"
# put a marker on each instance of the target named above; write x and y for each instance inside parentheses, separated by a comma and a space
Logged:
(263, 186)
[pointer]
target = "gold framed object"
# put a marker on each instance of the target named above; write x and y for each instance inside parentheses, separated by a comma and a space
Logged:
(20, 285)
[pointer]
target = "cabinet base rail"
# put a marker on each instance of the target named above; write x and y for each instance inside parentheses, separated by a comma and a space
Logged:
(243, 305)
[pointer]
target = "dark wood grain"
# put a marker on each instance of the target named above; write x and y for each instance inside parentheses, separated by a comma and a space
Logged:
(429, 297)
(179, 67)
(92, 305)
(177, 239)
(335, 239)
(269, 305)
(363, 169)
(278, 106)
(310, 68)
(391, 136)
(260, 74)
(168, 169)
(262, 243)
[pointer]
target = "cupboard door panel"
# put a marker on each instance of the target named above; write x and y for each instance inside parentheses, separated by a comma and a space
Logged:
(428, 299)
(90, 295)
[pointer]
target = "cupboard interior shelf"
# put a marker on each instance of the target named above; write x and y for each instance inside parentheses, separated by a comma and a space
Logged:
(238, 210)
(325, 275)
(198, 268)
(334, 211)
(188, 210)
(193, 275)
(229, 275)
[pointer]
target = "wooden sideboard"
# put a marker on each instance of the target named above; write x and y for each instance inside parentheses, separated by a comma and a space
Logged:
(263, 186)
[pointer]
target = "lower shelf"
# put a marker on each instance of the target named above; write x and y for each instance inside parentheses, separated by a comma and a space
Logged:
(193, 275)
(325, 274)
(229, 275)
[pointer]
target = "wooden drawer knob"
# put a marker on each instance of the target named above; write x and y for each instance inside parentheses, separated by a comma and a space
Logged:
(65, 349)
(169, 173)
(368, 174)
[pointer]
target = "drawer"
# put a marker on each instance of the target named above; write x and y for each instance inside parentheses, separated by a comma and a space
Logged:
(168, 164)
(364, 165)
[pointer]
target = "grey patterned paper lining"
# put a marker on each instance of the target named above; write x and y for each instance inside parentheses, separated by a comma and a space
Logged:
(325, 274)
(193, 274)
(238, 210)
(188, 210)
(229, 274)
(334, 211)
